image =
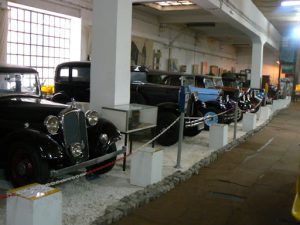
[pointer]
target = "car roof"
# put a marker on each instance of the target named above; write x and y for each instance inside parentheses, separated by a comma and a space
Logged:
(74, 63)
(8, 68)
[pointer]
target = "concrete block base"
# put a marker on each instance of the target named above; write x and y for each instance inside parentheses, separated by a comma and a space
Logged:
(276, 105)
(34, 204)
(265, 113)
(218, 136)
(146, 167)
(249, 122)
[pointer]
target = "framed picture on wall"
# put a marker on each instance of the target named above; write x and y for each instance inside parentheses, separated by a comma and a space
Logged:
(195, 69)
(204, 67)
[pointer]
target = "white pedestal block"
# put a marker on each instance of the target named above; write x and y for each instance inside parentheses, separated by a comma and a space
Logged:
(34, 204)
(218, 136)
(146, 167)
(276, 105)
(282, 103)
(265, 113)
(249, 121)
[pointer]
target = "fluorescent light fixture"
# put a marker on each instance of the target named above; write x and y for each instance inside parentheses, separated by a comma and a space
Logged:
(174, 3)
(290, 3)
(296, 32)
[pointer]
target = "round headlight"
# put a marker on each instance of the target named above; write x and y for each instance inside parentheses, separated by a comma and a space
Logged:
(92, 117)
(76, 150)
(103, 138)
(52, 124)
(227, 98)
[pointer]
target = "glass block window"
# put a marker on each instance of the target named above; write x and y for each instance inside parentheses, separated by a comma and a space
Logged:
(39, 40)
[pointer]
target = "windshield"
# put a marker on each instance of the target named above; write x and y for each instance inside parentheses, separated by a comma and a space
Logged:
(19, 84)
(218, 82)
(231, 83)
(209, 83)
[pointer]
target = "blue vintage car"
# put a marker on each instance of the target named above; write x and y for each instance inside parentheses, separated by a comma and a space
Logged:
(219, 108)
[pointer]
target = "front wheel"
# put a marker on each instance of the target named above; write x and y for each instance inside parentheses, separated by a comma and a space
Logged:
(171, 136)
(109, 162)
(210, 117)
(26, 166)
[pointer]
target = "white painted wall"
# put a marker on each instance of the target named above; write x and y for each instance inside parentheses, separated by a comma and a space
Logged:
(270, 62)
(185, 48)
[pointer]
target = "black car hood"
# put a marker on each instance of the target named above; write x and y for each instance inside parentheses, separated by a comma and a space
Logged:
(28, 109)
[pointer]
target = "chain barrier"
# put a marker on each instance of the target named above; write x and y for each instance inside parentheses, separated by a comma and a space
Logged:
(209, 116)
(5, 196)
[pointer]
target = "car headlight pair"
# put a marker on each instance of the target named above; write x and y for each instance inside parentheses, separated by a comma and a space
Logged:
(52, 122)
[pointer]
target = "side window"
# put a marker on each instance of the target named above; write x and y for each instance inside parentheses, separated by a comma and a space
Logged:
(64, 74)
(138, 76)
(81, 74)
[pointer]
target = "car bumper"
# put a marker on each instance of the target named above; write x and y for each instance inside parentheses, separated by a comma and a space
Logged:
(66, 170)
(199, 123)
(228, 117)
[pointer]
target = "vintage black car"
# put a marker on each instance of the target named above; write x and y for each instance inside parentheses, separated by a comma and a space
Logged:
(145, 90)
(42, 140)
(219, 108)
(72, 80)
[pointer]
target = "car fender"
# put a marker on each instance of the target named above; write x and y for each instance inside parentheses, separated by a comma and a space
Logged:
(107, 127)
(104, 126)
(168, 106)
(214, 104)
(47, 147)
(61, 97)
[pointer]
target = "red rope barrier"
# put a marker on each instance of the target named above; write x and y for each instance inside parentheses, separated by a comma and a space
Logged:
(5, 196)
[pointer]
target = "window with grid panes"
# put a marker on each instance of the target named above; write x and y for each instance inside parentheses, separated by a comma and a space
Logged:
(39, 40)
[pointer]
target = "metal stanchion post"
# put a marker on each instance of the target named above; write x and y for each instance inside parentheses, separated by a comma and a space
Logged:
(235, 120)
(182, 101)
(181, 126)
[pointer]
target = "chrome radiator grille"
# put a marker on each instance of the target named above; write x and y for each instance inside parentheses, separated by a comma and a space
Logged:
(74, 129)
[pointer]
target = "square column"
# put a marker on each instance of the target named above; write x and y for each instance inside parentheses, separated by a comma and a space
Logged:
(3, 30)
(110, 70)
(257, 64)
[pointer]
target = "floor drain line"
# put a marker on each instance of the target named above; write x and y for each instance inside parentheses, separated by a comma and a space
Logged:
(230, 182)
(228, 196)
(259, 150)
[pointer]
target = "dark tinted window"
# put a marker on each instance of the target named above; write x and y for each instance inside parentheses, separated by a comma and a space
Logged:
(81, 74)
(139, 76)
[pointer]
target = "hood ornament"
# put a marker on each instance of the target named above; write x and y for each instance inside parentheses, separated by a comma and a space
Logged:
(73, 103)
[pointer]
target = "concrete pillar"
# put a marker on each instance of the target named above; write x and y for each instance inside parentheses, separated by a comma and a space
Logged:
(146, 167)
(218, 136)
(34, 204)
(257, 63)
(110, 70)
(3, 31)
(249, 121)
